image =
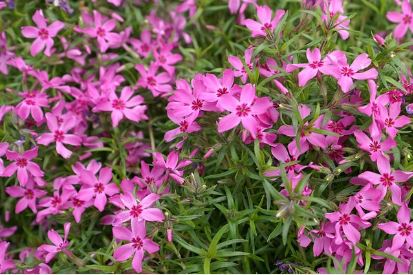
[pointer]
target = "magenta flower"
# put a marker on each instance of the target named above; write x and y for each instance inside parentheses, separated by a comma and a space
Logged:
(375, 147)
(166, 59)
(345, 73)
(236, 62)
(138, 244)
(388, 179)
(59, 134)
(139, 210)
(392, 121)
(59, 244)
(404, 19)
(79, 206)
(347, 224)
(323, 239)
(308, 136)
(402, 230)
(32, 104)
(171, 165)
(243, 110)
(334, 9)
(186, 102)
(102, 30)
(21, 162)
(5, 262)
(216, 88)
(143, 46)
(97, 188)
(311, 69)
(42, 33)
(376, 107)
(28, 195)
(185, 125)
(55, 204)
(158, 84)
(6, 56)
(266, 24)
(368, 198)
(150, 179)
(125, 105)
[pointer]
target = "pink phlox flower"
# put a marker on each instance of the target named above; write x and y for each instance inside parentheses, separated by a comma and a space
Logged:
(310, 70)
(139, 210)
(137, 244)
(6, 263)
(59, 244)
(166, 59)
(269, 69)
(390, 266)
(79, 206)
(368, 198)
(347, 225)
(143, 46)
(157, 83)
(185, 125)
(55, 204)
(97, 188)
(243, 110)
(21, 162)
(71, 52)
(282, 155)
(376, 108)
(374, 146)
(102, 29)
(5, 55)
(238, 65)
(215, 88)
(59, 134)
(28, 195)
(150, 180)
(387, 179)
(392, 120)
(323, 239)
(50, 83)
(186, 102)
(6, 232)
(127, 105)
(172, 165)
(307, 135)
(32, 104)
(266, 24)
(404, 19)
(402, 229)
(345, 73)
(42, 33)
(334, 9)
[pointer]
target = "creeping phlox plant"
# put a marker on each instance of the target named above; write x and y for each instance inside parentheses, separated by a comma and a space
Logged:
(209, 136)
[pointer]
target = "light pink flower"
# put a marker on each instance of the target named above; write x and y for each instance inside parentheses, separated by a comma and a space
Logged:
(42, 33)
(21, 162)
(392, 121)
(59, 134)
(374, 146)
(137, 244)
(266, 24)
(243, 110)
(215, 88)
(402, 230)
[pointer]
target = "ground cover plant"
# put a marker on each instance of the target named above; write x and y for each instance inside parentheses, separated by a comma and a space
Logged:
(208, 136)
